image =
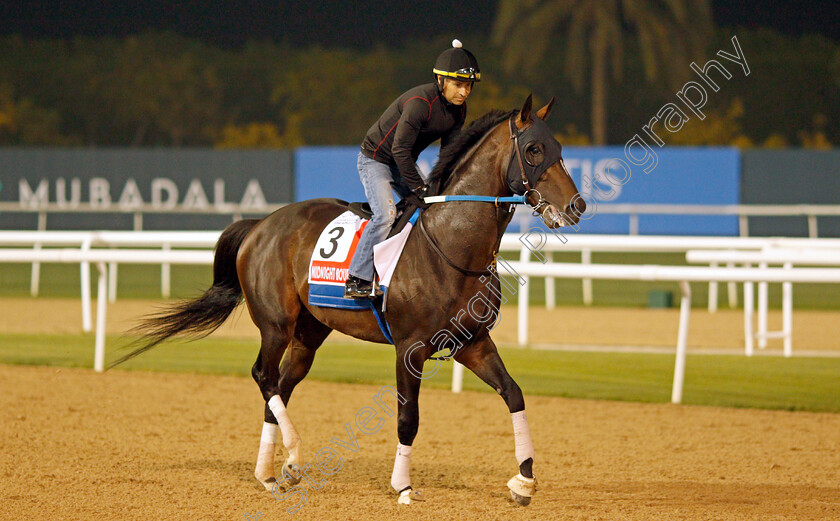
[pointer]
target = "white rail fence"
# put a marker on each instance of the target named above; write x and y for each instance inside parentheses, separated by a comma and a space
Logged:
(743, 211)
(100, 258)
(681, 274)
(87, 241)
(546, 245)
(524, 243)
(764, 258)
(758, 251)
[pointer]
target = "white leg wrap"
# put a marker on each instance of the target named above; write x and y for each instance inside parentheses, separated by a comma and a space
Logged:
(522, 437)
(269, 433)
(522, 486)
(291, 439)
(400, 477)
(290, 435)
(265, 458)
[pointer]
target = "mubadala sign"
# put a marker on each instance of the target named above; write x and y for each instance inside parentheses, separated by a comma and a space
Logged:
(161, 193)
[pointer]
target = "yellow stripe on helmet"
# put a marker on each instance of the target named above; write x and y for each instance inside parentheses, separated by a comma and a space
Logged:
(475, 76)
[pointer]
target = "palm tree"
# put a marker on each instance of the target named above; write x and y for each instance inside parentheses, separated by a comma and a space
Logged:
(592, 33)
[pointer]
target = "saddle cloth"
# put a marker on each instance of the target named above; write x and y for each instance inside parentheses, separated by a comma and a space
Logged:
(330, 262)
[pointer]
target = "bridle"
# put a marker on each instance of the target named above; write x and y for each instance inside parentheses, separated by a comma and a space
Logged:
(541, 204)
(539, 208)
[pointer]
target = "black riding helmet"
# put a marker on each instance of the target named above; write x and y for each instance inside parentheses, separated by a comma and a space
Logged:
(457, 63)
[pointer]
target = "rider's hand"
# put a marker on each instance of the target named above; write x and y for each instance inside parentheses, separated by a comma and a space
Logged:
(416, 199)
(421, 191)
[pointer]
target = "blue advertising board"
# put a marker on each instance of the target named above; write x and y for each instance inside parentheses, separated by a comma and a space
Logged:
(332, 172)
(681, 176)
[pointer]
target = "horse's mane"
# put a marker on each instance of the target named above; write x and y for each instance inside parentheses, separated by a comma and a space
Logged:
(464, 141)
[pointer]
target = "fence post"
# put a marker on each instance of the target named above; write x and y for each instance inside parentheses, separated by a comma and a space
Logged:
(682, 343)
(457, 377)
(787, 314)
(812, 226)
(762, 311)
(550, 300)
(748, 315)
(101, 307)
(586, 259)
(84, 268)
(713, 292)
(732, 289)
(112, 281)
(522, 304)
(165, 277)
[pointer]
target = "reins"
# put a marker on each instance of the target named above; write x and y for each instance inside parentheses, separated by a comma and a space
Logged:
(465, 271)
(513, 200)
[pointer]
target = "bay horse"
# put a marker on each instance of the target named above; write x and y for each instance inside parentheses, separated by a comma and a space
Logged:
(442, 279)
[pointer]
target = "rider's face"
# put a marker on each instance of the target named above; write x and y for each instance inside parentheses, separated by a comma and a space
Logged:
(455, 91)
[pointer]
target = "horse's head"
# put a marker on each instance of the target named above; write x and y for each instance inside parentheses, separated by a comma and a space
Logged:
(536, 169)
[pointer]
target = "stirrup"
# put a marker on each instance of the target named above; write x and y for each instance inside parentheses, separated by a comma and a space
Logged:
(357, 288)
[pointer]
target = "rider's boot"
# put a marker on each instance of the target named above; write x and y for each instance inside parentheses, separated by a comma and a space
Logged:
(360, 288)
(357, 287)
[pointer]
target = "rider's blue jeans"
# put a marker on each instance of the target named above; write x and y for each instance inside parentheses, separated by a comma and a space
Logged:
(376, 178)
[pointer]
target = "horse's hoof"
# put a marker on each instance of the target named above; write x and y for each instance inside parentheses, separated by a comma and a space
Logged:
(408, 496)
(522, 488)
(291, 474)
(520, 500)
(267, 483)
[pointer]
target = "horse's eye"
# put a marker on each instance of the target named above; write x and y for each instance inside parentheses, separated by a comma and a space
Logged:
(534, 154)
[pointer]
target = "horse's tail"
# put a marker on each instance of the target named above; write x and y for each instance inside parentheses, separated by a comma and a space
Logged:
(199, 317)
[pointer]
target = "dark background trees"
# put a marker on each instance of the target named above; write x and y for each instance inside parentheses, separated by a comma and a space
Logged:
(161, 88)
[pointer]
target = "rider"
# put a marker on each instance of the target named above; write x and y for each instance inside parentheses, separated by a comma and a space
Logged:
(416, 119)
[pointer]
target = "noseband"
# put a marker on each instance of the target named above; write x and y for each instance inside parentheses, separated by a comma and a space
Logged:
(517, 153)
(542, 205)
(520, 183)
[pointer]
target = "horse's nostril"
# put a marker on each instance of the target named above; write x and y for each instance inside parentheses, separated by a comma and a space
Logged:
(580, 206)
(568, 211)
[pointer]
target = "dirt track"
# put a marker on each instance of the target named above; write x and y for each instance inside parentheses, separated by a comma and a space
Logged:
(79, 446)
(131, 445)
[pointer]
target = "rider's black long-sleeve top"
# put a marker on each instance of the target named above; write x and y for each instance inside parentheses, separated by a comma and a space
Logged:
(411, 123)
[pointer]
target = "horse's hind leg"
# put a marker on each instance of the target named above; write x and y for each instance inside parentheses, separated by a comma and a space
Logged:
(483, 359)
(266, 372)
(308, 336)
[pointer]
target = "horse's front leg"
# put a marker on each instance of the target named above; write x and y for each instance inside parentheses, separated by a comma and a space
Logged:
(409, 368)
(483, 359)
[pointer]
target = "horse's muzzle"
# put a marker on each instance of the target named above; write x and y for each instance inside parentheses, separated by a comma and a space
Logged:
(554, 218)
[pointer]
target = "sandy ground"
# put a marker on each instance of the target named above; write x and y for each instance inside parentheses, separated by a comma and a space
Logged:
(139, 446)
(812, 330)
(77, 445)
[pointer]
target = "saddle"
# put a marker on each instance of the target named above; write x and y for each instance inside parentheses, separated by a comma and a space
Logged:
(404, 213)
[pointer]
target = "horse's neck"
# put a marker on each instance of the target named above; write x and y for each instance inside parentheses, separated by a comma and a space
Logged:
(478, 172)
(473, 226)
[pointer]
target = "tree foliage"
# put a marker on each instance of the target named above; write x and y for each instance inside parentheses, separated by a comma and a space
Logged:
(161, 89)
(592, 36)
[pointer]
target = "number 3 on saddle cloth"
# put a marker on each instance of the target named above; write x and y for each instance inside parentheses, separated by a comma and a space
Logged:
(330, 263)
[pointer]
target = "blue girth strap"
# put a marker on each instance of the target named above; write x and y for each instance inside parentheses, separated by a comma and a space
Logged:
(380, 319)
(516, 199)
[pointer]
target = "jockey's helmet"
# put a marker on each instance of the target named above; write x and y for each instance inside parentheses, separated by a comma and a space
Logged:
(457, 63)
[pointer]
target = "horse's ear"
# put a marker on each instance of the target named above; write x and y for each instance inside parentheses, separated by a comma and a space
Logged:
(545, 111)
(525, 113)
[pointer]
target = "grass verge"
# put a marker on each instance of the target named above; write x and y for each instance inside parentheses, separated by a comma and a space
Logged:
(798, 384)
